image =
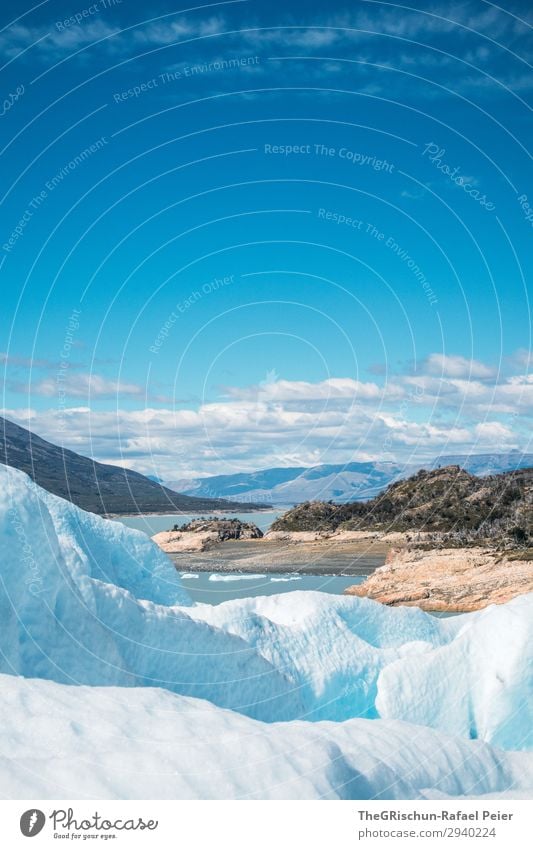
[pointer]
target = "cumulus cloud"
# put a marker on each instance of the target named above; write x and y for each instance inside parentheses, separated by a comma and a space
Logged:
(493, 433)
(279, 421)
(330, 389)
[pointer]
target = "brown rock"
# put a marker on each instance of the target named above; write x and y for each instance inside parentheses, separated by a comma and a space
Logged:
(450, 579)
(202, 534)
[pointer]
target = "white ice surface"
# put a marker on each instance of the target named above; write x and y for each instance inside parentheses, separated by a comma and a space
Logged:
(73, 608)
(111, 742)
(480, 685)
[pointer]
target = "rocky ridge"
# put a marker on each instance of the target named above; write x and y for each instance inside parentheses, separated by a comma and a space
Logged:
(449, 503)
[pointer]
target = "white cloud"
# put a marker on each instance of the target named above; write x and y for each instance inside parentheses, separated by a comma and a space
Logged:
(25, 362)
(50, 41)
(305, 32)
(57, 40)
(334, 420)
(76, 385)
(447, 365)
(523, 358)
(494, 433)
(325, 390)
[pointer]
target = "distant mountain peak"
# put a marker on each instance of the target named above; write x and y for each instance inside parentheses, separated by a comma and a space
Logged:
(353, 481)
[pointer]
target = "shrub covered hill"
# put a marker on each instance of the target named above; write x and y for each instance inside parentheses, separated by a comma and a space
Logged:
(447, 501)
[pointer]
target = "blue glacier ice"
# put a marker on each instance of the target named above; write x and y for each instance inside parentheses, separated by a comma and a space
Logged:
(294, 695)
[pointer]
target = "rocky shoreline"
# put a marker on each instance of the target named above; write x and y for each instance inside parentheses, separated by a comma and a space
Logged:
(401, 568)
(456, 580)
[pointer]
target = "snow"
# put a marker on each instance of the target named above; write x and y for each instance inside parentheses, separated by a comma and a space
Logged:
(391, 698)
(98, 743)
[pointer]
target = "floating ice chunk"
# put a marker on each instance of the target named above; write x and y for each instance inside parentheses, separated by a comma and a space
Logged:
(288, 578)
(234, 576)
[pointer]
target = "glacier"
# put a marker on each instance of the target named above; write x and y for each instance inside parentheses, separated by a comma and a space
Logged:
(468, 675)
(478, 686)
(104, 658)
(77, 606)
(68, 742)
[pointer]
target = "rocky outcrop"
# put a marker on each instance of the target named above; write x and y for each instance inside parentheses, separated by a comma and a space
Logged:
(449, 579)
(446, 501)
(203, 534)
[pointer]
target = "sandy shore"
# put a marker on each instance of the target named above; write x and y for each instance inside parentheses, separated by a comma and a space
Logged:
(318, 557)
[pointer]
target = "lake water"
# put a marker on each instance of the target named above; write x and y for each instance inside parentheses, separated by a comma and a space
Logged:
(204, 583)
(213, 587)
(216, 587)
(153, 524)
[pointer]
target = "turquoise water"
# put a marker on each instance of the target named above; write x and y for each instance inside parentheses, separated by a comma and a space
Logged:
(153, 524)
(216, 587)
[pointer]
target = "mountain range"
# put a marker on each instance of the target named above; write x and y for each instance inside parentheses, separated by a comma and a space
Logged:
(107, 489)
(298, 483)
(96, 487)
(343, 482)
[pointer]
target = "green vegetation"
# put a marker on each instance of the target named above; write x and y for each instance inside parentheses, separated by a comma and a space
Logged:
(446, 501)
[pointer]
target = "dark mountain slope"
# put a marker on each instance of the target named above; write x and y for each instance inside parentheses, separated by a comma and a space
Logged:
(96, 487)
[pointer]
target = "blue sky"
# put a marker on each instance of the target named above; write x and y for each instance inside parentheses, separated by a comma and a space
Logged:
(241, 236)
